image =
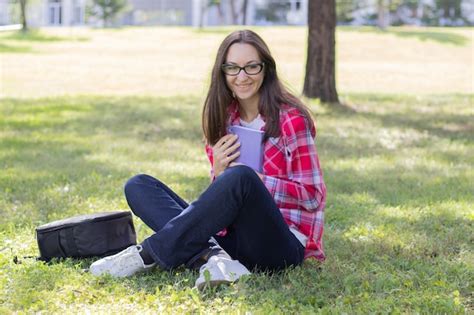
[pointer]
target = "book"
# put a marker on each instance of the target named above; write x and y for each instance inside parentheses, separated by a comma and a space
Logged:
(251, 146)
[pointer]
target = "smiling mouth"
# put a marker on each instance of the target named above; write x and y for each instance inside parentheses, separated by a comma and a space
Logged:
(243, 85)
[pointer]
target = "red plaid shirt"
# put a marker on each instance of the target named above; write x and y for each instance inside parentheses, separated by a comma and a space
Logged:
(293, 176)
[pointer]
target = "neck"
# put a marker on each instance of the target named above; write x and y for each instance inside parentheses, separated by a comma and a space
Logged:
(248, 109)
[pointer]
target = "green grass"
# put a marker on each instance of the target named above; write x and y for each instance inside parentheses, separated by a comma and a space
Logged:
(436, 34)
(165, 61)
(398, 167)
(23, 42)
(399, 218)
(4, 48)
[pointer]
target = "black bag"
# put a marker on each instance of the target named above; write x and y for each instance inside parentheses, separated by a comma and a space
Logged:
(97, 234)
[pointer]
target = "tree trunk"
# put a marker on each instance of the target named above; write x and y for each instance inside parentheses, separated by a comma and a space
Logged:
(203, 9)
(320, 78)
(24, 23)
(457, 9)
(383, 15)
(446, 9)
(220, 13)
(234, 12)
(244, 12)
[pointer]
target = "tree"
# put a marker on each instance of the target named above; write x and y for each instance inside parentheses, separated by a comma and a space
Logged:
(244, 12)
(344, 9)
(205, 5)
(449, 11)
(107, 10)
(320, 78)
(241, 10)
(383, 15)
(23, 7)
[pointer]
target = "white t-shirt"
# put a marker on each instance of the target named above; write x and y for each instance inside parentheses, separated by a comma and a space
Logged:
(257, 124)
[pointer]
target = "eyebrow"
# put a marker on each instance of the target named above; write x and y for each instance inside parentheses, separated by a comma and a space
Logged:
(249, 62)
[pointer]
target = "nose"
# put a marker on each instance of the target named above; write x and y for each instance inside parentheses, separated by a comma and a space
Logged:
(242, 75)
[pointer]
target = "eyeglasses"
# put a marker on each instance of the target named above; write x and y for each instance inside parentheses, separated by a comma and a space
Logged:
(251, 69)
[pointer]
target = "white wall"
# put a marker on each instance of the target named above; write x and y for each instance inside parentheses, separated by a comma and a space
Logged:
(4, 19)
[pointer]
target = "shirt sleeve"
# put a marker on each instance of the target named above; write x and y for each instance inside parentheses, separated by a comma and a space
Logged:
(304, 187)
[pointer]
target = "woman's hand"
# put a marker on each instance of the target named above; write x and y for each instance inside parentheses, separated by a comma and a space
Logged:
(224, 152)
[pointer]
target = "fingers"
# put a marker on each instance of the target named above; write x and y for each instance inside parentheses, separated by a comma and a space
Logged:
(232, 157)
(222, 140)
(226, 141)
(231, 149)
(225, 151)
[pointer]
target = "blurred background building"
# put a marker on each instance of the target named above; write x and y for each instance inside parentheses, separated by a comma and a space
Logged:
(246, 12)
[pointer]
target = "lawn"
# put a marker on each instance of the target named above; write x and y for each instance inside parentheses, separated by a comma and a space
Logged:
(84, 110)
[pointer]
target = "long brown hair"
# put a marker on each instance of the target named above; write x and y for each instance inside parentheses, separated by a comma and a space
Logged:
(272, 92)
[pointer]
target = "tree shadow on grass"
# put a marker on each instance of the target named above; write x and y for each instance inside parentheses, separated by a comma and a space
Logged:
(64, 157)
(449, 126)
(395, 184)
(46, 180)
(399, 259)
(49, 165)
(9, 42)
(363, 132)
(37, 36)
(440, 36)
(7, 48)
(395, 229)
(148, 119)
(429, 241)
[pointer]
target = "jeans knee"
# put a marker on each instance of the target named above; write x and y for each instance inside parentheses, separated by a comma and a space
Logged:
(132, 184)
(133, 188)
(239, 173)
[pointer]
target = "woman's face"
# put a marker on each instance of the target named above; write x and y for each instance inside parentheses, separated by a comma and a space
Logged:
(245, 86)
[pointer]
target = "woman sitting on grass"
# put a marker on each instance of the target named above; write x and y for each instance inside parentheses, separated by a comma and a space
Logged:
(244, 219)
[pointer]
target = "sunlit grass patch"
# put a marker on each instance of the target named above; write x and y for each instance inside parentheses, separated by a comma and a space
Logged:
(170, 61)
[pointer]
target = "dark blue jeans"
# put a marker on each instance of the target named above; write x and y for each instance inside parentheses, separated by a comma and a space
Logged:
(257, 234)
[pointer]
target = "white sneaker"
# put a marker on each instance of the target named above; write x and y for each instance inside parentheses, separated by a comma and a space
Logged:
(220, 270)
(123, 264)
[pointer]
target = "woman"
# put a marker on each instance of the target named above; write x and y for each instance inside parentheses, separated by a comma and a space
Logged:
(244, 219)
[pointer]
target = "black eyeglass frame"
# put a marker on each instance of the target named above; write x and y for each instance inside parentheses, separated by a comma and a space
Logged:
(261, 64)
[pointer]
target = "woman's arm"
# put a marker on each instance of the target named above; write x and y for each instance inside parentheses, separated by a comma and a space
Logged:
(304, 188)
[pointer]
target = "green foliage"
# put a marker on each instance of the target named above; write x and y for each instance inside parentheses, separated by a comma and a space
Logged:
(450, 9)
(344, 9)
(399, 215)
(434, 13)
(272, 12)
(20, 13)
(107, 10)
